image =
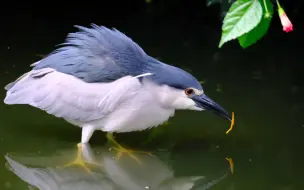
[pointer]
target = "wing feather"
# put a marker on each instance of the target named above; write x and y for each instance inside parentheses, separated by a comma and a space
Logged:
(98, 54)
(68, 97)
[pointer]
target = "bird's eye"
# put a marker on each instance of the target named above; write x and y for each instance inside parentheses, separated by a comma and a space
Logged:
(189, 91)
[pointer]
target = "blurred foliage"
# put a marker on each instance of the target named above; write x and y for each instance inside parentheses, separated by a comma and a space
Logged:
(225, 5)
(247, 20)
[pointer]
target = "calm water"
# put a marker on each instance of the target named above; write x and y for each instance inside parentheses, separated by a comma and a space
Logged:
(262, 87)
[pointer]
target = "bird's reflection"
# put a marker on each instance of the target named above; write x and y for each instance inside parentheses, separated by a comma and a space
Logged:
(106, 172)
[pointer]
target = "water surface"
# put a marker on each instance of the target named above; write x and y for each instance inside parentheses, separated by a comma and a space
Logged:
(190, 152)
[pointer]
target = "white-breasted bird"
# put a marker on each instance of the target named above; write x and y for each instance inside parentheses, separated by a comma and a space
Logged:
(102, 80)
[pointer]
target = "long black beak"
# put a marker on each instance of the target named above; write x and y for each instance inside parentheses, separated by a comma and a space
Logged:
(204, 102)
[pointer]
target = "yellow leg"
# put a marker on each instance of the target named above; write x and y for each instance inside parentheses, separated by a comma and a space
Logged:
(120, 149)
(79, 161)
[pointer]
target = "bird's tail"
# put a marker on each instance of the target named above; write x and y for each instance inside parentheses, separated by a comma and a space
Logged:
(10, 85)
(22, 90)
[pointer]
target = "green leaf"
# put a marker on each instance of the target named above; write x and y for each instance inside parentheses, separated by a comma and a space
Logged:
(260, 30)
(242, 17)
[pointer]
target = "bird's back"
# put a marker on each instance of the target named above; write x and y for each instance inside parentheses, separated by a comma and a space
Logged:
(97, 54)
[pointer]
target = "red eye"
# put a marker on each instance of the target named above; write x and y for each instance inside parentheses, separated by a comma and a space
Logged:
(189, 91)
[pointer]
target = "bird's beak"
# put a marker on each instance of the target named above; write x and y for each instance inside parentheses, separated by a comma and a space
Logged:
(204, 102)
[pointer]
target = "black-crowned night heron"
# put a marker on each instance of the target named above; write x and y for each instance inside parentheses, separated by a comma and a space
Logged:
(101, 80)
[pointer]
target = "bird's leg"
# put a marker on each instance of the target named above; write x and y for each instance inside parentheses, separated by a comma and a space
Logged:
(122, 150)
(78, 161)
(83, 150)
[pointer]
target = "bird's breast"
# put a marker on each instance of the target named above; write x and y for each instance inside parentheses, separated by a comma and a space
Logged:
(137, 116)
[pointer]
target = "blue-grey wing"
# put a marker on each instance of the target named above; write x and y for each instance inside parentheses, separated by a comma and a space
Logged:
(98, 54)
(68, 97)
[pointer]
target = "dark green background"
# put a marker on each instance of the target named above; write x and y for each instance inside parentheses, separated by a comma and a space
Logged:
(263, 85)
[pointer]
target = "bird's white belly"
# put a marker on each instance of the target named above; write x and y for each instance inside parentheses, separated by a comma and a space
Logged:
(127, 119)
(144, 109)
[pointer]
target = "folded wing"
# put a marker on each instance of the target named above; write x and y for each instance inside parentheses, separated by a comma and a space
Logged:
(98, 54)
(68, 97)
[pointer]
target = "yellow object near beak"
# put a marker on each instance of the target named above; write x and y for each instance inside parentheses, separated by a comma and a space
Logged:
(231, 164)
(231, 125)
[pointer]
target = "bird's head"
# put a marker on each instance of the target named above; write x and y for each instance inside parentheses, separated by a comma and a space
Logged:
(184, 91)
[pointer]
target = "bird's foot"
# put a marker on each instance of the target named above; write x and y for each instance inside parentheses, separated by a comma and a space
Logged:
(121, 150)
(80, 162)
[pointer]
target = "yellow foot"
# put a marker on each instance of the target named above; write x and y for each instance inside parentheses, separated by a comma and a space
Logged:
(79, 161)
(121, 150)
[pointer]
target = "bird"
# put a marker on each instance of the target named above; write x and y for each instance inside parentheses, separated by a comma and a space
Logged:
(100, 79)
